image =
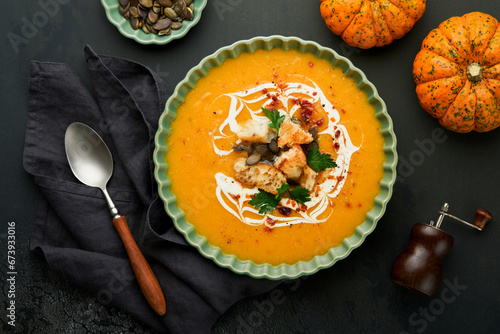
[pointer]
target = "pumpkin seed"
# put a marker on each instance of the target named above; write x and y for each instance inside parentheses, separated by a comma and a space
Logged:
(189, 14)
(143, 12)
(314, 132)
(124, 3)
(241, 148)
(261, 149)
(253, 159)
(170, 13)
(165, 3)
(308, 147)
(165, 32)
(176, 25)
(179, 7)
(273, 146)
(134, 12)
(124, 10)
(162, 24)
(152, 17)
(145, 29)
(146, 3)
(188, 2)
(134, 22)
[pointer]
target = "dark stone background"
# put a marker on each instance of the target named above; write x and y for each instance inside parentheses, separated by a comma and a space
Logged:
(356, 295)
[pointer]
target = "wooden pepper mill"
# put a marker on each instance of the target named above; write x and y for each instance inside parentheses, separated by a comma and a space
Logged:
(419, 266)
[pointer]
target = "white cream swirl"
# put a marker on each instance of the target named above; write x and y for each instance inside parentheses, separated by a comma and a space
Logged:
(234, 197)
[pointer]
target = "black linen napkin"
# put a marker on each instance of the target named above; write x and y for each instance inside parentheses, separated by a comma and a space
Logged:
(72, 226)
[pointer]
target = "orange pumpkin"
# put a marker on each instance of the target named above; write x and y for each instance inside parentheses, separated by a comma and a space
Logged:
(457, 73)
(368, 23)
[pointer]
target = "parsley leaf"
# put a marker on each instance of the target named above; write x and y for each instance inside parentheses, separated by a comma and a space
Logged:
(320, 161)
(282, 190)
(264, 201)
(267, 202)
(300, 195)
(274, 117)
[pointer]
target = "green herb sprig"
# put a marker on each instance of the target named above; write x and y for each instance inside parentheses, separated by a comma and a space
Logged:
(320, 161)
(267, 202)
(274, 117)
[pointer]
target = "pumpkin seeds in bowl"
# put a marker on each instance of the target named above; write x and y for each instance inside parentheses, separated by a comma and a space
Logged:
(154, 21)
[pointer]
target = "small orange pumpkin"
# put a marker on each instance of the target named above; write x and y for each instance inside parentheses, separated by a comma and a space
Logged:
(457, 72)
(368, 23)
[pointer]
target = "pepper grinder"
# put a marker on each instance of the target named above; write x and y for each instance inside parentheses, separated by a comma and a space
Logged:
(419, 266)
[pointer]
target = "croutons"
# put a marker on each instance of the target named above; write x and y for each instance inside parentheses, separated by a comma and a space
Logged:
(256, 131)
(291, 162)
(291, 133)
(265, 177)
(308, 178)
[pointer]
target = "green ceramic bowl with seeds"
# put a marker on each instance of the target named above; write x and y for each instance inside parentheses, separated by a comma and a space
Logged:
(154, 21)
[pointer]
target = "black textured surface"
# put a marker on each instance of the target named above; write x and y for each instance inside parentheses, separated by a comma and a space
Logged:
(356, 295)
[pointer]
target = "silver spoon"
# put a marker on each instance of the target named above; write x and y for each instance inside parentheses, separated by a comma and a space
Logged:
(91, 162)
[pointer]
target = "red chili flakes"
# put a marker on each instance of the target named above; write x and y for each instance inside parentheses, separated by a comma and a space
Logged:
(306, 104)
(264, 91)
(270, 221)
(303, 208)
(360, 205)
(337, 134)
(348, 204)
(336, 146)
(311, 64)
(283, 86)
(284, 210)
(267, 229)
(315, 93)
(343, 110)
(319, 122)
(307, 109)
(235, 197)
(271, 107)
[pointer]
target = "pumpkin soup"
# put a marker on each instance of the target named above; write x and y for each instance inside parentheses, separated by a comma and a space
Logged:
(275, 156)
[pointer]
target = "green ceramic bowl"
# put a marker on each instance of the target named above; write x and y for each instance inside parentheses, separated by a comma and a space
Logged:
(248, 267)
(123, 25)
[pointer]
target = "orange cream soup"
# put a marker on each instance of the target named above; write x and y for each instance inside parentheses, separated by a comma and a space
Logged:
(193, 162)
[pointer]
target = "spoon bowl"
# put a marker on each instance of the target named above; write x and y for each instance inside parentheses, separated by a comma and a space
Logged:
(88, 156)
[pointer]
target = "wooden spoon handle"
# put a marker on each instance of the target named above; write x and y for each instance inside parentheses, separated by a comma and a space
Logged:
(145, 276)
